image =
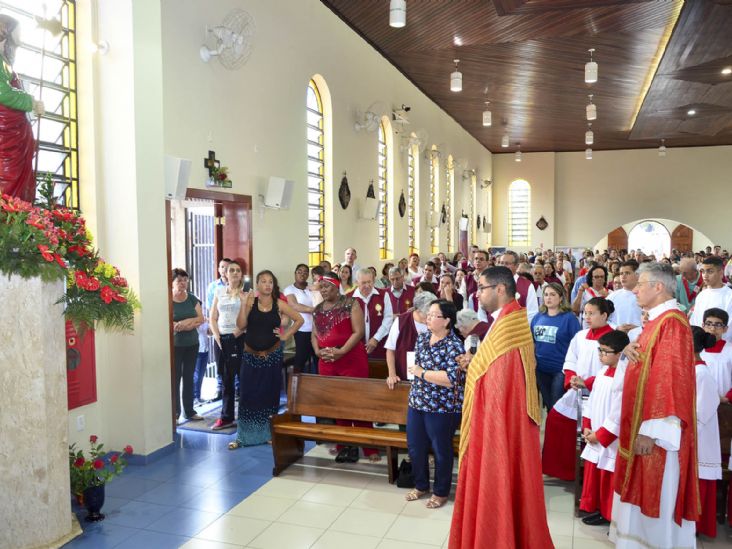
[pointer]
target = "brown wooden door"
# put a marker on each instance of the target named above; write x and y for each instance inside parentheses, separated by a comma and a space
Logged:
(236, 234)
(617, 239)
(682, 238)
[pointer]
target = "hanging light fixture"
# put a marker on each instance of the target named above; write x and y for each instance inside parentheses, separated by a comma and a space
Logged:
(398, 13)
(591, 109)
(487, 117)
(591, 69)
(504, 140)
(517, 155)
(456, 78)
(662, 149)
(588, 154)
(589, 135)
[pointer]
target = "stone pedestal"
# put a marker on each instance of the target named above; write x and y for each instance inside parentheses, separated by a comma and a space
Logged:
(35, 507)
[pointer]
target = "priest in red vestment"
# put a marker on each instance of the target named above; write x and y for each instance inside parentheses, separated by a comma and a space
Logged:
(500, 491)
(656, 482)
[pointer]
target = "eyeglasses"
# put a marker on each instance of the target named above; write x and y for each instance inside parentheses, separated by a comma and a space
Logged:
(481, 288)
(605, 352)
(708, 324)
(433, 315)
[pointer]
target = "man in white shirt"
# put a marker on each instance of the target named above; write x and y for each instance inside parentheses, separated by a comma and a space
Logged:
(377, 313)
(300, 298)
(714, 294)
(350, 259)
(627, 313)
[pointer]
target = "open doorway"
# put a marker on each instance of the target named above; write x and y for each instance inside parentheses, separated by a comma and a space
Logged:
(204, 228)
(651, 237)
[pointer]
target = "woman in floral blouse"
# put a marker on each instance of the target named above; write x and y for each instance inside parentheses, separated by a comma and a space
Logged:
(435, 403)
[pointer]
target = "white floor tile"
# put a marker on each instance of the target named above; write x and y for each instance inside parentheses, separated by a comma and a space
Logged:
(304, 473)
(341, 540)
(332, 495)
(286, 536)
(386, 502)
(393, 544)
(560, 524)
(308, 513)
(285, 488)
(346, 478)
(196, 543)
(366, 523)
(233, 529)
(419, 530)
(562, 542)
(262, 507)
(418, 509)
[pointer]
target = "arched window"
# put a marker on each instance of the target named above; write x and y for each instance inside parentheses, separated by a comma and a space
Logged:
(449, 191)
(46, 65)
(651, 237)
(382, 193)
(519, 213)
(434, 194)
(412, 179)
(315, 121)
(473, 209)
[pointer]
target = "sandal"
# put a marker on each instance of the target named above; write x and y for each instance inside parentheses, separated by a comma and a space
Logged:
(435, 502)
(374, 458)
(234, 445)
(414, 495)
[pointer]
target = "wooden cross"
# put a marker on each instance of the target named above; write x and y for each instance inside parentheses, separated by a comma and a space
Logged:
(211, 163)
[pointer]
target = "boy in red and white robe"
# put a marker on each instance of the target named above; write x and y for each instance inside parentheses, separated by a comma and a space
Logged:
(580, 366)
(719, 357)
(707, 432)
(601, 449)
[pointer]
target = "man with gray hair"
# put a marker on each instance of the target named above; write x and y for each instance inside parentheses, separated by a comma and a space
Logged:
(401, 295)
(377, 312)
(469, 324)
(688, 284)
(656, 500)
(403, 337)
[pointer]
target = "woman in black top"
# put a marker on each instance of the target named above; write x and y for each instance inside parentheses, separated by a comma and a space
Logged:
(260, 375)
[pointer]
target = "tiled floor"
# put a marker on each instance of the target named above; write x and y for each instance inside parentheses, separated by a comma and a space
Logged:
(206, 497)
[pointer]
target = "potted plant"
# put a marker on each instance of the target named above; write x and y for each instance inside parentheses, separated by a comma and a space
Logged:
(90, 474)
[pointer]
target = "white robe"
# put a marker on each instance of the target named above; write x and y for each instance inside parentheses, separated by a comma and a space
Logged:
(630, 528)
(720, 367)
(707, 426)
(721, 298)
(596, 409)
(582, 358)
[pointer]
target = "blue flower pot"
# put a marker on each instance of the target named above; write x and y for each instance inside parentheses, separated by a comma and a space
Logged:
(93, 501)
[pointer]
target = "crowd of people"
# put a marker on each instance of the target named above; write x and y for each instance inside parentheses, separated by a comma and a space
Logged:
(628, 350)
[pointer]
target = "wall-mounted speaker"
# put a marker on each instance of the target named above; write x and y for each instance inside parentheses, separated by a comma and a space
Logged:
(177, 173)
(464, 223)
(368, 208)
(487, 227)
(279, 193)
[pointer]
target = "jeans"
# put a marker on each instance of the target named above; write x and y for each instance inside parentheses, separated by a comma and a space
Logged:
(436, 429)
(551, 387)
(199, 373)
(229, 364)
(185, 362)
(305, 360)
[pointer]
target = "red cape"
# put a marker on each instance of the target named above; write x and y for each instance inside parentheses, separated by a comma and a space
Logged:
(500, 491)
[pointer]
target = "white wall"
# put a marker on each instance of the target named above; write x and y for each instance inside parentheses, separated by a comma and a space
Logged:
(699, 240)
(590, 198)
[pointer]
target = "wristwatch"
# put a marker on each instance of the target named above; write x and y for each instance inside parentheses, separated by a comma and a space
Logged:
(423, 373)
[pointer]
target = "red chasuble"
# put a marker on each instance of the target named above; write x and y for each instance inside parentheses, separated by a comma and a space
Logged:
(500, 491)
(662, 384)
(403, 302)
(375, 312)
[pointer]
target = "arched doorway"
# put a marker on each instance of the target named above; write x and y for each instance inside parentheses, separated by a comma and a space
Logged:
(651, 237)
(682, 239)
(617, 239)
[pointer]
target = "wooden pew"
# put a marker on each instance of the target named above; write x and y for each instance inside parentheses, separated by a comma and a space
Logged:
(378, 368)
(359, 399)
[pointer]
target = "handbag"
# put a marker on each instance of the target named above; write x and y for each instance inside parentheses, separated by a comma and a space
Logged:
(405, 478)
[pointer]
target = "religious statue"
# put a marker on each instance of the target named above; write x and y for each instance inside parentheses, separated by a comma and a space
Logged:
(17, 144)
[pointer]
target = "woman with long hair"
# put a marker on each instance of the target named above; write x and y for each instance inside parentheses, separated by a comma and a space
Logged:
(345, 276)
(260, 377)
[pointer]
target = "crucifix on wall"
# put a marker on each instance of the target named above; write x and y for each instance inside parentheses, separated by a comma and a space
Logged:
(211, 163)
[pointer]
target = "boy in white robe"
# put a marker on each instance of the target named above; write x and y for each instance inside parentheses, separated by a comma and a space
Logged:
(601, 449)
(707, 433)
(718, 357)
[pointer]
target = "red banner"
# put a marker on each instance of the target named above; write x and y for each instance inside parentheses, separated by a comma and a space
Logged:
(81, 373)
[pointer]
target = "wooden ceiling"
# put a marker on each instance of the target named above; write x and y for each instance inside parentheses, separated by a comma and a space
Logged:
(527, 58)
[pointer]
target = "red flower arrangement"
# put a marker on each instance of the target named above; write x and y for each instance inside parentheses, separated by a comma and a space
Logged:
(98, 469)
(52, 243)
